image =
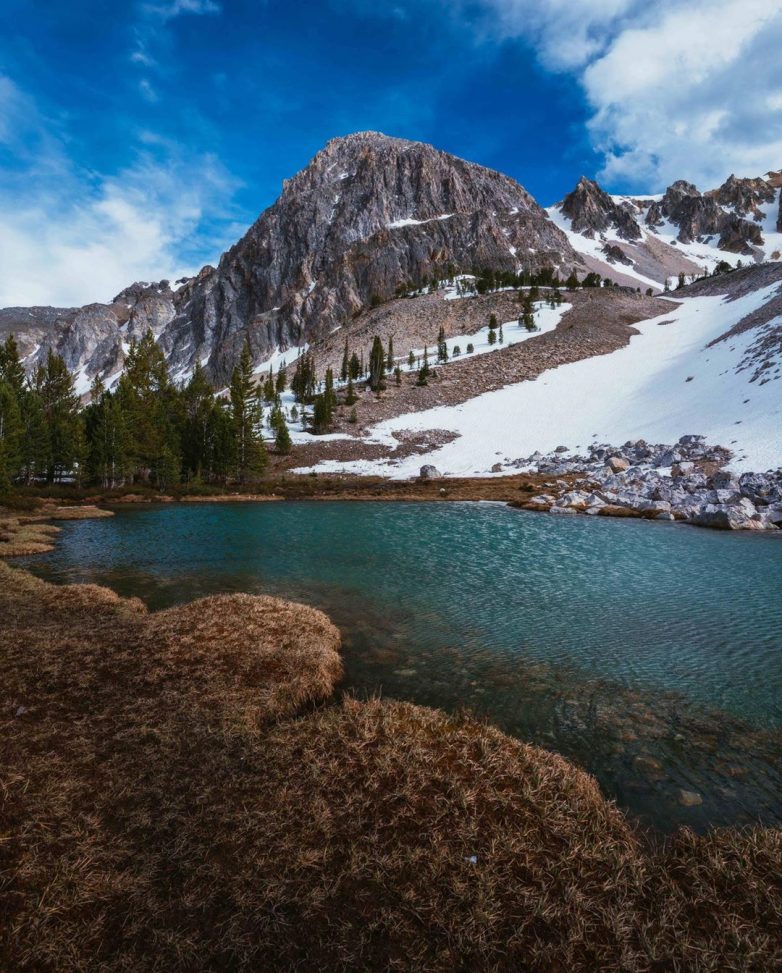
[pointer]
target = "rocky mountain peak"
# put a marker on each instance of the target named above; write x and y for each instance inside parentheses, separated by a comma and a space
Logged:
(592, 211)
(744, 196)
(368, 216)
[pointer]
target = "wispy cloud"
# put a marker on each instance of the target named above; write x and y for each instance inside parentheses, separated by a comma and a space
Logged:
(150, 29)
(678, 88)
(69, 236)
(175, 8)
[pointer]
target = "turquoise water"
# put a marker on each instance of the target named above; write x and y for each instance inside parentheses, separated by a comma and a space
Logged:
(606, 640)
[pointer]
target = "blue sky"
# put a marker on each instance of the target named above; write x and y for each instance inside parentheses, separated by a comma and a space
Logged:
(140, 138)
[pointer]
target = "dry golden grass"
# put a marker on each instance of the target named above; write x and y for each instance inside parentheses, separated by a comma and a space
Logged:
(171, 801)
(80, 512)
(19, 537)
(28, 533)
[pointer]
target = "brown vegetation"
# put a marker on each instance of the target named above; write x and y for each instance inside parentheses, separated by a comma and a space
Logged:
(167, 806)
(23, 533)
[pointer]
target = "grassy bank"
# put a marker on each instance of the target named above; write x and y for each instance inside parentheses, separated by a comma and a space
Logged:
(174, 799)
(287, 486)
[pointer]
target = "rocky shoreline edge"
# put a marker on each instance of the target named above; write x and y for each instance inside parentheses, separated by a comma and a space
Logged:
(683, 482)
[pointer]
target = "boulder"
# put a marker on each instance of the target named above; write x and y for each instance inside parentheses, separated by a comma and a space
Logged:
(651, 508)
(689, 798)
(429, 472)
(563, 510)
(760, 488)
(691, 440)
(682, 468)
(668, 458)
(724, 516)
(617, 464)
(725, 480)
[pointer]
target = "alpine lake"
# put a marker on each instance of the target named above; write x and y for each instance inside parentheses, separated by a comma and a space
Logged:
(649, 654)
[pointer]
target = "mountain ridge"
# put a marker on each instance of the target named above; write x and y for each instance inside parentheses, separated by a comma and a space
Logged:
(371, 215)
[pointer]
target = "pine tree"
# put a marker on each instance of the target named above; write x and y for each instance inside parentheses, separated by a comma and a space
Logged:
(442, 346)
(355, 367)
(34, 444)
(303, 382)
(282, 380)
(322, 414)
(398, 375)
(11, 369)
(328, 389)
(350, 395)
(152, 411)
(500, 336)
(250, 454)
(423, 371)
(107, 437)
(390, 356)
(345, 370)
(377, 360)
(492, 335)
(61, 415)
(269, 388)
(10, 435)
(197, 425)
(282, 441)
(411, 359)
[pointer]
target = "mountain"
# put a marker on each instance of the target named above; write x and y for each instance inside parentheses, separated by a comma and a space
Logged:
(369, 215)
(645, 240)
(372, 216)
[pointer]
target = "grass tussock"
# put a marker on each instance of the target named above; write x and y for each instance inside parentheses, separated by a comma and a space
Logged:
(80, 512)
(24, 532)
(170, 802)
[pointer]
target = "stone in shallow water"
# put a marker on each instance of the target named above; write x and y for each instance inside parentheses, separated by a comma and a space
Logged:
(689, 798)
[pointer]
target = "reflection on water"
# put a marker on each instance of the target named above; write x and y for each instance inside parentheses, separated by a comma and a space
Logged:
(648, 654)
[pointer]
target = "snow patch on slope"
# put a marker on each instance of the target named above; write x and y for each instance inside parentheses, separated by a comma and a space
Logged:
(665, 383)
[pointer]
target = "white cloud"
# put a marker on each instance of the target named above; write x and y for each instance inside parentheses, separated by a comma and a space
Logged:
(174, 8)
(69, 236)
(678, 88)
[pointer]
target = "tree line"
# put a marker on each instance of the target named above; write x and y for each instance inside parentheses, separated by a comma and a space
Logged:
(145, 430)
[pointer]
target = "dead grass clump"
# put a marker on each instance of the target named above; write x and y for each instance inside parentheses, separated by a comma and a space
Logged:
(414, 841)
(716, 902)
(161, 808)
(20, 537)
(82, 512)
(256, 657)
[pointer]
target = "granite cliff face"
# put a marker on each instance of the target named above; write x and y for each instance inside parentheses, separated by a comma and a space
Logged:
(591, 210)
(368, 215)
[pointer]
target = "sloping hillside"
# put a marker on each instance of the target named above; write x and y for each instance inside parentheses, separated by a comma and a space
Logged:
(708, 362)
